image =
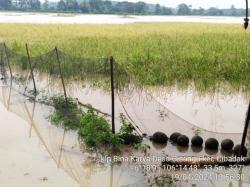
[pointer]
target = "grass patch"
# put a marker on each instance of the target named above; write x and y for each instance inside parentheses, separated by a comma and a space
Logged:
(93, 130)
(66, 113)
(127, 132)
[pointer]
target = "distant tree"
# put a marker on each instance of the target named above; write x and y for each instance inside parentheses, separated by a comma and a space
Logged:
(15, 3)
(125, 7)
(22, 4)
(95, 6)
(84, 7)
(46, 5)
(27, 4)
(61, 5)
(167, 11)
(214, 12)
(183, 9)
(140, 7)
(72, 5)
(113, 7)
(233, 11)
(5, 4)
(157, 9)
(34, 4)
(107, 6)
(199, 11)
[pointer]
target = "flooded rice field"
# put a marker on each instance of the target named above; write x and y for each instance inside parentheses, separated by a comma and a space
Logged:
(30, 140)
(151, 109)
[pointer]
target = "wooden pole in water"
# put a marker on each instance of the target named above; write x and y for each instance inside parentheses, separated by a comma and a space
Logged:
(31, 69)
(8, 61)
(59, 64)
(111, 60)
(245, 130)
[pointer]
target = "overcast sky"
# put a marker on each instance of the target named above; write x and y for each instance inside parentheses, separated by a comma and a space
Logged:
(199, 3)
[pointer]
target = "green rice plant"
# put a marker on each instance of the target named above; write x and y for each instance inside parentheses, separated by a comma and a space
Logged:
(66, 113)
(127, 132)
(208, 55)
(95, 131)
(142, 147)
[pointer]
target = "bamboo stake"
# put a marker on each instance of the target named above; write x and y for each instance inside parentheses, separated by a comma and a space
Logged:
(31, 69)
(245, 130)
(8, 61)
(112, 93)
(62, 79)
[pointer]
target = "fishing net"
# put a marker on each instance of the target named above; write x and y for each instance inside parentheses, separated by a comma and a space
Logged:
(18, 96)
(88, 80)
(28, 83)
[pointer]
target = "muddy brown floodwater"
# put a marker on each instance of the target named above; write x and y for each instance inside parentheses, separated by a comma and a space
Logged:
(150, 109)
(63, 148)
(23, 159)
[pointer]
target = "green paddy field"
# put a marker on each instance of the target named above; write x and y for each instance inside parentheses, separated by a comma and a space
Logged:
(207, 55)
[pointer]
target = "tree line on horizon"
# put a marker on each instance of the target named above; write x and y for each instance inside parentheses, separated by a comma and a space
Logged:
(114, 7)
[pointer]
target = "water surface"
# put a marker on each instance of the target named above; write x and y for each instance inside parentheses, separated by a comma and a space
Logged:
(146, 110)
(54, 18)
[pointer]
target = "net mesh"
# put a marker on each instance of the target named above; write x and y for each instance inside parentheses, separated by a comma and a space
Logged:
(29, 82)
(87, 79)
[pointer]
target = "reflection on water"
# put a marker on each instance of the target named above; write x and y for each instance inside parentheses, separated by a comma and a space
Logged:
(218, 112)
(64, 147)
(24, 162)
(196, 149)
(211, 152)
(226, 153)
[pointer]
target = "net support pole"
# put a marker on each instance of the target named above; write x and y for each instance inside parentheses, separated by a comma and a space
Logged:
(111, 60)
(61, 75)
(245, 130)
(31, 69)
(8, 60)
(246, 20)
